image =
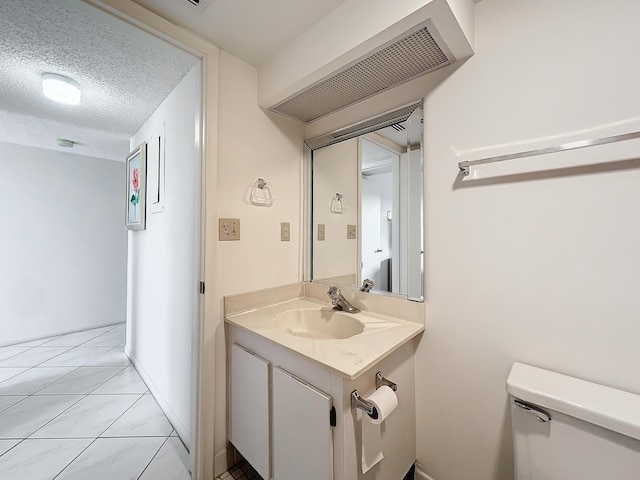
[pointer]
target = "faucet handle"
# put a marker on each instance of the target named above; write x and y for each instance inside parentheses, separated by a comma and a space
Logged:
(333, 291)
(367, 285)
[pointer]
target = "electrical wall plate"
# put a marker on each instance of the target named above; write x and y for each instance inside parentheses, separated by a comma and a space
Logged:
(352, 232)
(228, 229)
(321, 232)
(285, 231)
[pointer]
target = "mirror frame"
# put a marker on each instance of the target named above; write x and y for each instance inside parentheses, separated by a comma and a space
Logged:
(358, 129)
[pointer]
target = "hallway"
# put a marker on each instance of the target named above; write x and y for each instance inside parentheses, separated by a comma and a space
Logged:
(73, 407)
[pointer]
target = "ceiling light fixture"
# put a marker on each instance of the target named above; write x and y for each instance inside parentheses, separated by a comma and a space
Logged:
(61, 89)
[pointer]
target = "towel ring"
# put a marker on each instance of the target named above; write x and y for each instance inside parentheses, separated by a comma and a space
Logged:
(261, 193)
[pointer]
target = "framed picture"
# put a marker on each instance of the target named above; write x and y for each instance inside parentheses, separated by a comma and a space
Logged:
(135, 213)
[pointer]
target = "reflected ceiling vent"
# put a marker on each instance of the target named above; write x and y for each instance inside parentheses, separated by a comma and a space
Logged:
(201, 5)
(405, 59)
(388, 119)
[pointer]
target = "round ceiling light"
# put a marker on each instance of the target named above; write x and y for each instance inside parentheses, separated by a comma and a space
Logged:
(61, 89)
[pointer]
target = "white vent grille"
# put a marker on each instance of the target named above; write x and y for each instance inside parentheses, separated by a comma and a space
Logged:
(410, 57)
(200, 5)
(371, 125)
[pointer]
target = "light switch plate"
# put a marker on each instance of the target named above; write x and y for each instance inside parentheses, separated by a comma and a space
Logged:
(285, 231)
(228, 229)
(352, 232)
(321, 232)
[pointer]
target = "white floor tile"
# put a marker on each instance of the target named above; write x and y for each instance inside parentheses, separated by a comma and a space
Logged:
(171, 463)
(73, 339)
(88, 418)
(6, 445)
(113, 358)
(127, 381)
(40, 459)
(76, 357)
(35, 343)
(8, 400)
(143, 419)
(82, 380)
(106, 328)
(25, 417)
(32, 380)
(8, 372)
(10, 351)
(33, 357)
(112, 338)
(113, 459)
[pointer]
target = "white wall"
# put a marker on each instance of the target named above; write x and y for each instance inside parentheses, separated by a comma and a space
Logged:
(529, 262)
(63, 243)
(163, 261)
(252, 144)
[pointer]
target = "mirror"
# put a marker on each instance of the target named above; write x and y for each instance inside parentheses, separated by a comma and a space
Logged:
(367, 204)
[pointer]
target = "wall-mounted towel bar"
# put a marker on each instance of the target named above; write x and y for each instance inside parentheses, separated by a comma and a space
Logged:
(464, 166)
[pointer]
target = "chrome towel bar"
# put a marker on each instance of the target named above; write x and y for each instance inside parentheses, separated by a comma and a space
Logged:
(464, 166)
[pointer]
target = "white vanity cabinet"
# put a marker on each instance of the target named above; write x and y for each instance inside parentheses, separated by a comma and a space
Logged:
(250, 408)
(279, 423)
(302, 436)
(282, 405)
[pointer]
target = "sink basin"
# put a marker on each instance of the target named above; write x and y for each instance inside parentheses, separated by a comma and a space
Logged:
(322, 323)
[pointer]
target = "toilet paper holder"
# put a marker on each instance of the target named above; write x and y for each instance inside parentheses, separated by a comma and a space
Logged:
(358, 402)
(380, 381)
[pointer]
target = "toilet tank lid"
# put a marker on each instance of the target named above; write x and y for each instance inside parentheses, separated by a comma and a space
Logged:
(604, 406)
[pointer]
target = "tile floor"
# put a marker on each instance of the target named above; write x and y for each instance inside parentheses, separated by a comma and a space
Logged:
(241, 471)
(74, 408)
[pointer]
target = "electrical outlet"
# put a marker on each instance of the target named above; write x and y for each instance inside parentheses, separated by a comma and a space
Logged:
(352, 232)
(285, 232)
(228, 229)
(321, 232)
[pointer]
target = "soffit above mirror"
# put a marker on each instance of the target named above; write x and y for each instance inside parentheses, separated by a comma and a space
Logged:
(413, 55)
(359, 52)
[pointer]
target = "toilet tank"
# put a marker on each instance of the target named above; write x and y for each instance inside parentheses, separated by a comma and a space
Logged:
(570, 429)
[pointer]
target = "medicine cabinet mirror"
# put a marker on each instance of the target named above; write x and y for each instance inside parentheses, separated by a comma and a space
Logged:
(366, 206)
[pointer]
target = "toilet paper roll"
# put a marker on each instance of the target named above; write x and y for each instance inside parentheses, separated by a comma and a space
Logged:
(384, 401)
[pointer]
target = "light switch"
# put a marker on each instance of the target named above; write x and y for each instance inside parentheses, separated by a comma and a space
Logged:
(285, 232)
(352, 232)
(228, 229)
(321, 232)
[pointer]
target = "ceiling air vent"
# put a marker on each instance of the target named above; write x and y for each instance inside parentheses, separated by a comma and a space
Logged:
(405, 59)
(388, 119)
(200, 5)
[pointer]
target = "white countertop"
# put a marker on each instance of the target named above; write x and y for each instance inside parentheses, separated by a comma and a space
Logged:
(348, 357)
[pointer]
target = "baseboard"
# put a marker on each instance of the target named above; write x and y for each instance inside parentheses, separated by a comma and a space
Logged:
(220, 463)
(182, 431)
(420, 475)
(58, 332)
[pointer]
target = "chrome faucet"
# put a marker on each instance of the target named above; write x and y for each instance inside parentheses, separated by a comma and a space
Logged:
(339, 302)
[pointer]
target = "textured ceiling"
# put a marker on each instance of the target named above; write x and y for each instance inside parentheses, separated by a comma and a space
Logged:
(124, 76)
(252, 30)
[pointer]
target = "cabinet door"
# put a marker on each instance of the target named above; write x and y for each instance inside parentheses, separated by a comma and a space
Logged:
(302, 435)
(249, 431)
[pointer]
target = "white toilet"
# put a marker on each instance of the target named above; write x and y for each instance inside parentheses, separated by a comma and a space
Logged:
(569, 429)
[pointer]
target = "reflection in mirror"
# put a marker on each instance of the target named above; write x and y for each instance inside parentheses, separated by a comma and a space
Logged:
(367, 198)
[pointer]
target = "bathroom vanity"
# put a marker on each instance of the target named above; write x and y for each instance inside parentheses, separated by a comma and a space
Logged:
(293, 366)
